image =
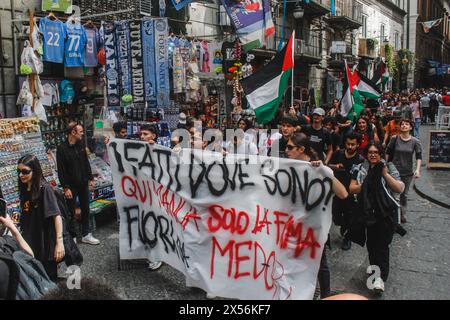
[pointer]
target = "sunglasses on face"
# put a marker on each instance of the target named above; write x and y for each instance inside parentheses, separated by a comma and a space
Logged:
(24, 171)
(290, 147)
(374, 152)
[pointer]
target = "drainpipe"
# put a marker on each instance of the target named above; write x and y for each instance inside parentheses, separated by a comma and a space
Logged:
(408, 18)
(2, 67)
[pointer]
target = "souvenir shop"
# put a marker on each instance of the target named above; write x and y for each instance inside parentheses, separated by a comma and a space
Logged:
(99, 72)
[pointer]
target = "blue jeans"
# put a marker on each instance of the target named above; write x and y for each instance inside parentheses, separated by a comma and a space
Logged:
(417, 128)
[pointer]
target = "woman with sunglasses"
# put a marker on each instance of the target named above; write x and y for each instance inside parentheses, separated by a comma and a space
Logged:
(376, 183)
(40, 219)
(298, 148)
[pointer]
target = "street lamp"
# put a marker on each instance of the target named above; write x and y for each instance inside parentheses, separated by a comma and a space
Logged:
(299, 12)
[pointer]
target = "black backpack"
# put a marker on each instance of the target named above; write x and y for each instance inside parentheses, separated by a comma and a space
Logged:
(73, 255)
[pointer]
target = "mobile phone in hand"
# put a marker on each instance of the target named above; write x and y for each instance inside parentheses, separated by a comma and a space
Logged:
(2, 208)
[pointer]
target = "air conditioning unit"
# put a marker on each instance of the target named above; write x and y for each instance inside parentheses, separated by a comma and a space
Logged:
(145, 7)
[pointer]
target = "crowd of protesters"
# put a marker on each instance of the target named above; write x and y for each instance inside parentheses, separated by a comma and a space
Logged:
(370, 152)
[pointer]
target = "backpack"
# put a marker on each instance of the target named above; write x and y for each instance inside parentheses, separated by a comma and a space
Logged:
(73, 255)
(67, 93)
(33, 280)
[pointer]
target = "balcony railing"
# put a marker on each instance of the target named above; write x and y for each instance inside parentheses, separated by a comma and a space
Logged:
(339, 52)
(349, 9)
(309, 46)
(365, 50)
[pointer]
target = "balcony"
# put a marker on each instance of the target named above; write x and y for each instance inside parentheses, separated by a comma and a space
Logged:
(316, 8)
(348, 15)
(367, 48)
(340, 51)
(308, 49)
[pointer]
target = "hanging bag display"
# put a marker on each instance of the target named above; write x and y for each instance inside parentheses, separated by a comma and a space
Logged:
(25, 96)
(30, 60)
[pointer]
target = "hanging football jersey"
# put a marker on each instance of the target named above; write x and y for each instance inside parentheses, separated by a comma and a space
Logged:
(92, 47)
(75, 44)
(54, 33)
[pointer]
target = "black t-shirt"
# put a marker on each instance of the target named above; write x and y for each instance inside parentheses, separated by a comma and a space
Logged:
(37, 223)
(320, 140)
(278, 148)
(343, 175)
(336, 141)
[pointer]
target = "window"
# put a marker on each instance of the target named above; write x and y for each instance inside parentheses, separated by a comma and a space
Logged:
(382, 33)
(364, 26)
(397, 41)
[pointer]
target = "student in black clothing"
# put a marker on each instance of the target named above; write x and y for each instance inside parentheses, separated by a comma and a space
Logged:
(342, 163)
(40, 219)
(330, 124)
(320, 137)
(288, 127)
(75, 176)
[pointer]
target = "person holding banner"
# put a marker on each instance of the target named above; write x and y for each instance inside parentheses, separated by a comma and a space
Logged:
(298, 148)
(149, 134)
(376, 183)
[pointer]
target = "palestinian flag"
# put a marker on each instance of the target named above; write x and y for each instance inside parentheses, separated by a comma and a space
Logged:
(381, 76)
(265, 88)
(356, 86)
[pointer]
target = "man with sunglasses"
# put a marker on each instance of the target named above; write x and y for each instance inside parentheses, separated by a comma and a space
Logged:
(75, 176)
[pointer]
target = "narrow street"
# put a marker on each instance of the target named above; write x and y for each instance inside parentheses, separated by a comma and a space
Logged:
(420, 261)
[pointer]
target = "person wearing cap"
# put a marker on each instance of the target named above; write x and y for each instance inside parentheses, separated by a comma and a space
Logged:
(288, 127)
(320, 137)
(182, 120)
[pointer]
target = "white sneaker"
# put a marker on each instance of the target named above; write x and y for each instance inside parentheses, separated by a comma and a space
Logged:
(75, 240)
(210, 296)
(89, 239)
(154, 265)
(378, 285)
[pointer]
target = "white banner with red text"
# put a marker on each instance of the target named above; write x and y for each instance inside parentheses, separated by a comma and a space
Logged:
(238, 227)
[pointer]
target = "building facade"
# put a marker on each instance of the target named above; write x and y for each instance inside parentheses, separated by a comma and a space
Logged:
(327, 32)
(431, 49)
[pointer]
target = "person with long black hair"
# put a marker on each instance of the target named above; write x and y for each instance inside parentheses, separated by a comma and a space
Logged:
(376, 183)
(40, 219)
(298, 147)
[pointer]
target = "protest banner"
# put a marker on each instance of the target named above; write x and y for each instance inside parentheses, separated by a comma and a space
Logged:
(232, 226)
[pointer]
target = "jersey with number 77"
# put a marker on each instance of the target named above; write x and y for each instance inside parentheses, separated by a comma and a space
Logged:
(75, 45)
(54, 34)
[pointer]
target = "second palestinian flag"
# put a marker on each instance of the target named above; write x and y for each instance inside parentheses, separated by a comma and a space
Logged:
(356, 86)
(265, 88)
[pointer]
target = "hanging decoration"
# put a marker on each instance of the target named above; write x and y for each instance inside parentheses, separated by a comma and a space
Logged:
(236, 72)
(252, 20)
(428, 25)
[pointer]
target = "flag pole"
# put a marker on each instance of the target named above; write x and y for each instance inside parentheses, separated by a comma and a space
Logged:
(293, 69)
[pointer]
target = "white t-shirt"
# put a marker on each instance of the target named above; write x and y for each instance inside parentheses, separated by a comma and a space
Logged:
(49, 93)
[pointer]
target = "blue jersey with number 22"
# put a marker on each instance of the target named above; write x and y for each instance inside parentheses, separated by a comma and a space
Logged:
(54, 34)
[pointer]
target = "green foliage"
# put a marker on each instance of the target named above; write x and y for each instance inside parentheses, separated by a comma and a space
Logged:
(371, 44)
